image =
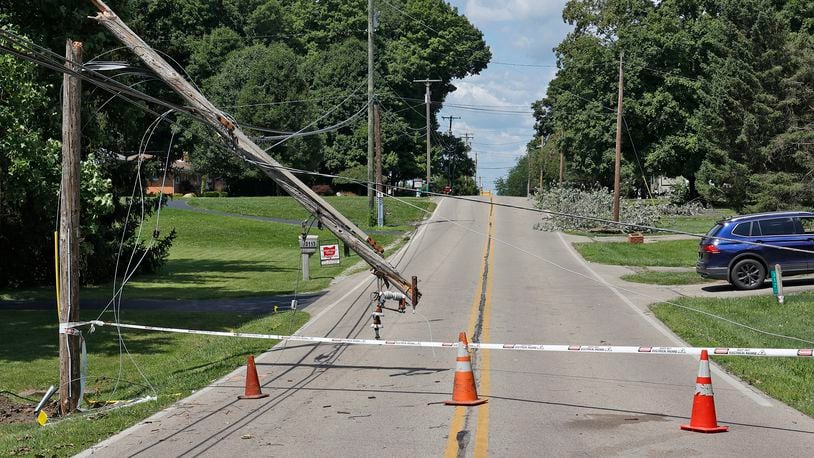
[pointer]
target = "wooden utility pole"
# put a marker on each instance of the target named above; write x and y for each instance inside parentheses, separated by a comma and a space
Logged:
(617, 171)
(562, 166)
(240, 144)
(427, 99)
(542, 161)
(69, 354)
(370, 95)
(528, 174)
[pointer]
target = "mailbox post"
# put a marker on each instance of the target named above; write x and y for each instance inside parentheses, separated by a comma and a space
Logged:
(308, 246)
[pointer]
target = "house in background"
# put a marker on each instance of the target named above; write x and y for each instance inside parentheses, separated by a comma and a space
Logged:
(182, 179)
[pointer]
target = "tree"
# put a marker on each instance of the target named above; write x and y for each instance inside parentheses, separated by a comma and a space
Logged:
(713, 91)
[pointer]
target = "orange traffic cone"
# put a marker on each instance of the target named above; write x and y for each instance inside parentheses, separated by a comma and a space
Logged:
(703, 405)
(464, 392)
(252, 382)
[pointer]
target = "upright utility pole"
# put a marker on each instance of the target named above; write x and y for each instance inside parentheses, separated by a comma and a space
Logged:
(370, 93)
(468, 136)
(379, 188)
(562, 166)
(617, 171)
(528, 174)
(427, 99)
(450, 121)
(69, 364)
(542, 161)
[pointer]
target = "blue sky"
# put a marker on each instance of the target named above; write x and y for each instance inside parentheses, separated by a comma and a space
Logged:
(521, 32)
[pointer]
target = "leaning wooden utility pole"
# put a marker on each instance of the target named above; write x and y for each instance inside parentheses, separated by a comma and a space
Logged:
(617, 171)
(69, 354)
(242, 146)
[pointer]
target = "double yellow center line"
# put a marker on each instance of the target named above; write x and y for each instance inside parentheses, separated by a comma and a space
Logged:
(478, 322)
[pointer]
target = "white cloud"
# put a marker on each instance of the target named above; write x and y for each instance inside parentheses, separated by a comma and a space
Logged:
(518, 31)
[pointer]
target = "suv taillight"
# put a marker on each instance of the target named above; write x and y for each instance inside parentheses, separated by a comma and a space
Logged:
(711, 249)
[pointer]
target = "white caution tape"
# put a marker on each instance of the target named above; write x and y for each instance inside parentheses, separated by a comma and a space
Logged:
(765, 352)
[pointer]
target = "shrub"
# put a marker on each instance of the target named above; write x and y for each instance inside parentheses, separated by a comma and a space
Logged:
(210, 194)
(223, 194)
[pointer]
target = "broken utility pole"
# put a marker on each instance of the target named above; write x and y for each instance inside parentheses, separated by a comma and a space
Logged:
(68, 306)
(242, 146)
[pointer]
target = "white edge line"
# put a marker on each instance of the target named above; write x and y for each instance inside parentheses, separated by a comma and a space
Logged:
(758, 397)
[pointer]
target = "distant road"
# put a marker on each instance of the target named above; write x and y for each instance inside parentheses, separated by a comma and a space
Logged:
(335, 400)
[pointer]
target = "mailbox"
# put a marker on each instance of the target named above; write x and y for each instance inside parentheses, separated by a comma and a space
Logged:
(309, 244)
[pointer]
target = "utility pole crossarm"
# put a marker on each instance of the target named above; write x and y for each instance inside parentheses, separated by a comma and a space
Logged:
(241, 145)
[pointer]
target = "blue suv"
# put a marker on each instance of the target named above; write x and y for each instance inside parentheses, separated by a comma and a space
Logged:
(745, 266)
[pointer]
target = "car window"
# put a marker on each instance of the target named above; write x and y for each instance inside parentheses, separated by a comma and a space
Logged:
(712, 232)
(777, 226)
(808, 224)
(743, 229)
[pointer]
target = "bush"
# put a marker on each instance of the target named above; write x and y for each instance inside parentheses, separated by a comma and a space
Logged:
(210, 194)
(223, 194)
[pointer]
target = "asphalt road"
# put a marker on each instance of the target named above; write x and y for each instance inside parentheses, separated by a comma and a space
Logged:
(368, 401)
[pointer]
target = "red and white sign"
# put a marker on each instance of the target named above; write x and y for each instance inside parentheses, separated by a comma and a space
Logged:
(328, 254)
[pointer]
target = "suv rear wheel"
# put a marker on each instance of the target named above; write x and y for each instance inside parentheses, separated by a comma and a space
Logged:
(747, 274)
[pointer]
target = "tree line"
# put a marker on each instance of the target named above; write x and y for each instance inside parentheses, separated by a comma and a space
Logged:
(720, 92)
(275, 66)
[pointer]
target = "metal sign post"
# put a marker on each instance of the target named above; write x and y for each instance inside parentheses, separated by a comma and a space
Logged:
(380, 207)
(777, 283)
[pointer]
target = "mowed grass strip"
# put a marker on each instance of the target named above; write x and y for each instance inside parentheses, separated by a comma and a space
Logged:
(790, 380)
(398, 215)
(175, 364)
(697, 224)
(223, 257)
(217, 257)
(653, 277)
(671, 253)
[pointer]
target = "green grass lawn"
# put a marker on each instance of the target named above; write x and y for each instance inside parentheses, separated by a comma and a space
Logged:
(398, 215)
(217, 257)
(790, 380)
(175, 364)
(670, 253)
(700, 224)
(653, 277)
